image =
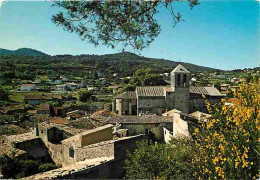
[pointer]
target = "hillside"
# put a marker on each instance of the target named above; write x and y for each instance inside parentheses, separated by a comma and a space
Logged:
(124, 64)
(23, 52)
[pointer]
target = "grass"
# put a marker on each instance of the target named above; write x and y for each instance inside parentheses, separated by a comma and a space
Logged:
(19, 96)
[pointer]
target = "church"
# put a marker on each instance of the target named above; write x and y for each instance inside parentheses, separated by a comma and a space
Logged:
(160, 99)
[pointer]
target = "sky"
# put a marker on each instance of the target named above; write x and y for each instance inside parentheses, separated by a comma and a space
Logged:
(219, 34)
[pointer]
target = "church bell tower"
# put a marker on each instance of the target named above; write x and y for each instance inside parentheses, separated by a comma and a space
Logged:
(180, 83)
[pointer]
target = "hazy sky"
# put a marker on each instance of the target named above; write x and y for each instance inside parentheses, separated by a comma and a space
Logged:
(219, 34)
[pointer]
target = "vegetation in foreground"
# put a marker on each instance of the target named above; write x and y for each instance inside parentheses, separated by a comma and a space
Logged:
(225, 147)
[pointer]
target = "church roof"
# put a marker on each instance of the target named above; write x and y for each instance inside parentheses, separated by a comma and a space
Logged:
(126, 95)
(180, 69)
(158, 91)
(211, 91)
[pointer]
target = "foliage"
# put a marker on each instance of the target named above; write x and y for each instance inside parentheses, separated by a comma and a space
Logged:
(160, 160)
(47, 167)
(228, 143)
(11, 130)
(145, 77)
(14, 166)
(3, 95)
(112, 22)
(84, 95)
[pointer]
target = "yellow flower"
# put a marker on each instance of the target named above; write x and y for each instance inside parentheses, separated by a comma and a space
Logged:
(217, 169)
(197, 130)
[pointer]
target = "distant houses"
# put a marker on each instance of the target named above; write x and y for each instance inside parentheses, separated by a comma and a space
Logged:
(28, 87)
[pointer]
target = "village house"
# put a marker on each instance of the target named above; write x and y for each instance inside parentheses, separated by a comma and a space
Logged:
(28, 87)
(73, 86)
(158, 99)
(62, 88)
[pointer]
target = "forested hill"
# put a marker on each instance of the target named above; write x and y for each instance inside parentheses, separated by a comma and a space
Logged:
(128, 56)
(23, 52)
(124, 64)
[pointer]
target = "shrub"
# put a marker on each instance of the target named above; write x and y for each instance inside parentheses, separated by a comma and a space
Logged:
(228, 143)
(48, 167)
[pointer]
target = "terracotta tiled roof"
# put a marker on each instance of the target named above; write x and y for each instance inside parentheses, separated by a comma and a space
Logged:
(28, 85)
(126, 95)
(42, 96)
(44, 107)
(211, 91)
(139, 119)
(158, 91)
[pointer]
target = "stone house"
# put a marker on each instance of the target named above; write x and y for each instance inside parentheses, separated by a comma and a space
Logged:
(158, 99)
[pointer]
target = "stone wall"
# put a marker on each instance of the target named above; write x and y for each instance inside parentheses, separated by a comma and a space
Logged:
(151, 105)
(100, 135)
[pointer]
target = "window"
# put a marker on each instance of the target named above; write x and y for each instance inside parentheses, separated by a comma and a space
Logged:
(71, 152)
(178, 79)
(184, 80)
(41, 131)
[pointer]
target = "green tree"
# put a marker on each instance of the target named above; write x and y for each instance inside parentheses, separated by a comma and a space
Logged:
(84, 95)
(161, 161)
(3, 95)
(145, 77)
(111, 22)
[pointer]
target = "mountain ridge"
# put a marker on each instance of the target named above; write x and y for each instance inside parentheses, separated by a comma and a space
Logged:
(23, 52)
(116, 57)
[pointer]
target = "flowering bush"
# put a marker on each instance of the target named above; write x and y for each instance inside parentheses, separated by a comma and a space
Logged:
(228, 143)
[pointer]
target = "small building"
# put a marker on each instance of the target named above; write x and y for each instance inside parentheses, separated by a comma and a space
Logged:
(113, 88)
(62, 88)
(73, 85)
(224, 88)
(28, 87)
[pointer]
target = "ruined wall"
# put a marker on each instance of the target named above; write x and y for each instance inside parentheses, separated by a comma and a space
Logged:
(3, 139)
(56, 152)
(96, 137)
(43, 133)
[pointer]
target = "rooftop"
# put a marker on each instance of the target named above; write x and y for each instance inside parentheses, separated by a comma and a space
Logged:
(211, 91)
(180, 69)
(28, 85)
(200, 115)
(139, 119)
(44, 107)
(126, 95)
(70, 130)
(22, 137)
(158, 91)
